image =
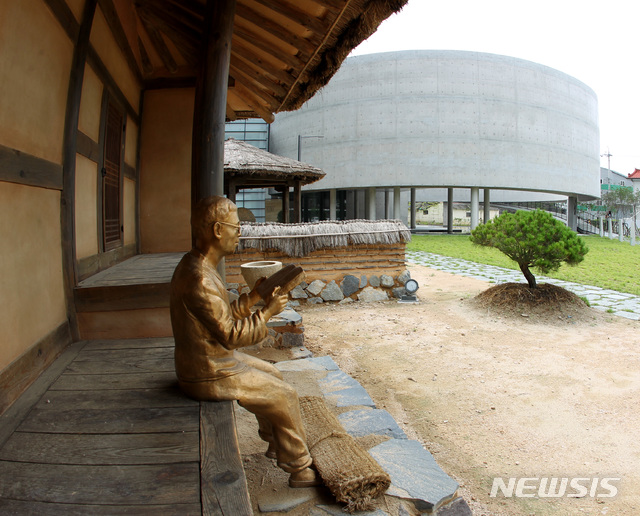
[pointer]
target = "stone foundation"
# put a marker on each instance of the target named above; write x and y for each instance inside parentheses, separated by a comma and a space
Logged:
(345, 274)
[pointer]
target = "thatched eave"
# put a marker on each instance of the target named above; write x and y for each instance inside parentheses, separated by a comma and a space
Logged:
(244, 161)
(304, 238)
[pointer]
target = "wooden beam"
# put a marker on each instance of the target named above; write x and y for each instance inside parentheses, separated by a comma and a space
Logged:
(81, 52)
(113, 21)
(265, 87)
(261, 43)
(21, 168)
(147, 67)
(255, 102)
(160, 47)
(257, 67)
(31, 374)
(304, 20)
(105, 76)
(168, 11)
(223, 483)
(184, 38)
(207, 173)
(304, 45)
(87, 147)
(65, 17)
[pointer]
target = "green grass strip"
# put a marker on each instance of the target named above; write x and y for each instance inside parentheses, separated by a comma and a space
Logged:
(609, 264)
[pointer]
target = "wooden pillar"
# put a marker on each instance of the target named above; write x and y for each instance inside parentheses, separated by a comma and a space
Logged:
(231, 193)
(285, 204)
(68, 196)
(207, 168)
(297, 202)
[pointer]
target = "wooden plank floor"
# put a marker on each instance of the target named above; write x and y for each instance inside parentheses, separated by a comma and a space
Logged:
(137, 270)
(111, 434)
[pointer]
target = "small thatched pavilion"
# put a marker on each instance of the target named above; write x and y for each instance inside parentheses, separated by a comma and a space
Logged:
(246, 166)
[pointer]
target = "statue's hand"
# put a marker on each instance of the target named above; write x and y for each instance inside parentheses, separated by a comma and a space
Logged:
(275, 304)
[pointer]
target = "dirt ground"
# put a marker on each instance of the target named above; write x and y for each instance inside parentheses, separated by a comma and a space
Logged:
(497, 393)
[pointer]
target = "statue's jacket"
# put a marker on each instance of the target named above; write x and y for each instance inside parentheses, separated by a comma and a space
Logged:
(206, 326)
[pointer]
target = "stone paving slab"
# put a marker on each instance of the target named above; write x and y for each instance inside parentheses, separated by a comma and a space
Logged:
(359, 423)
(621, 304)
(416, 477)
(414, 473)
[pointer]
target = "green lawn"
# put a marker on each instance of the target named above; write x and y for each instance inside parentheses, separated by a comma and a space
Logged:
(608, 264)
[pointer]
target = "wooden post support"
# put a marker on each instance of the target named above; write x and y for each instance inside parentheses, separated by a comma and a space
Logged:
(285, 204)
(207, 169)
(297, 202)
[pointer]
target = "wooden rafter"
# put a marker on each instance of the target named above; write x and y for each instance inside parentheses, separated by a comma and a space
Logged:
(261, 93)
(255, 103)
(160, 47)
(147, 67)
(257, 76)
(307, 46)
(291, 60)
(252, 58)
(304, 20)
(186, 41)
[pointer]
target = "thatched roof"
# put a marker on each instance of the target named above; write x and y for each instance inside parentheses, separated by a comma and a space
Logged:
(282, 51)
(302, 239)
(243, 160)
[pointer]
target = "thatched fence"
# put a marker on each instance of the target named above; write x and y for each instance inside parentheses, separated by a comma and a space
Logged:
(328, 251)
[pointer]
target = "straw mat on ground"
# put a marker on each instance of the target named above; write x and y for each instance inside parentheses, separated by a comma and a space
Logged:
(350, 473)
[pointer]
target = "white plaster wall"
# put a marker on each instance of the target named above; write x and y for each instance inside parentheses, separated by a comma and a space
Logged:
(448, 119)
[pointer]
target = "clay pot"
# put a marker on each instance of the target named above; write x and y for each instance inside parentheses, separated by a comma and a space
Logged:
(253, 271)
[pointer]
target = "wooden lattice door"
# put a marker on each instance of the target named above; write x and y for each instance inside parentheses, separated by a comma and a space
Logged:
(111, 225)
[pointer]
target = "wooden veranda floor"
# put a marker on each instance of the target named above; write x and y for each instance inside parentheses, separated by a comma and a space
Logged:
(105, 430)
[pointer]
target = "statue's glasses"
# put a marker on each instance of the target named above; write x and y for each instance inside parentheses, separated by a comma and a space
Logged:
(236, 226)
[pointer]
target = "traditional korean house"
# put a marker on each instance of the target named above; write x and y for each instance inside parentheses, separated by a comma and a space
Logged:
(112, 120)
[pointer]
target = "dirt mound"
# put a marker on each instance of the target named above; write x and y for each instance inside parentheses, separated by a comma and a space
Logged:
(546, 303)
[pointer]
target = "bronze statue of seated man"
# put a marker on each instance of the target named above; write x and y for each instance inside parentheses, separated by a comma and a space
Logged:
(208, 330)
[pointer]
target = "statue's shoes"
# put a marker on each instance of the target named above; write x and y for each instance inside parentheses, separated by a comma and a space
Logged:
(271, 452)
(305, 483)
(305, 479)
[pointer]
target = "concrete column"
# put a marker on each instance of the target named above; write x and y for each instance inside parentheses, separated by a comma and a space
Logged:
(620, 230)
(332, 204)
(572, 219)
(610, 223)
(487, 205)
(396, 202)
(475, 207)
(371, 203)
(413, 208)
(450, 210)
(601, 223)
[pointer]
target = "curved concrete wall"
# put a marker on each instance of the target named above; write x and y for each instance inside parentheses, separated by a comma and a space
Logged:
(448, 119)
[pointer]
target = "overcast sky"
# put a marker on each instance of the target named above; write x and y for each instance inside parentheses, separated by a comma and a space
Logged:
(596, 42)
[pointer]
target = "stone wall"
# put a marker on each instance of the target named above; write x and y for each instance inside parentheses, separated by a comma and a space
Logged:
(356, 273)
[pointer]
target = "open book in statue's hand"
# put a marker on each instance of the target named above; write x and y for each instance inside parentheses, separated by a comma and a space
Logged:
(287, 278)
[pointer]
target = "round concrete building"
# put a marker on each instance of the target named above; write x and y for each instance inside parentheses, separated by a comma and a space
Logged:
(464, 125)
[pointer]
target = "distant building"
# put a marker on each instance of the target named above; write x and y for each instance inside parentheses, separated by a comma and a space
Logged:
(444, 125)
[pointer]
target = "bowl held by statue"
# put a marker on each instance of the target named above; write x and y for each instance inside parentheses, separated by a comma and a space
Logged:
(253, 271)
